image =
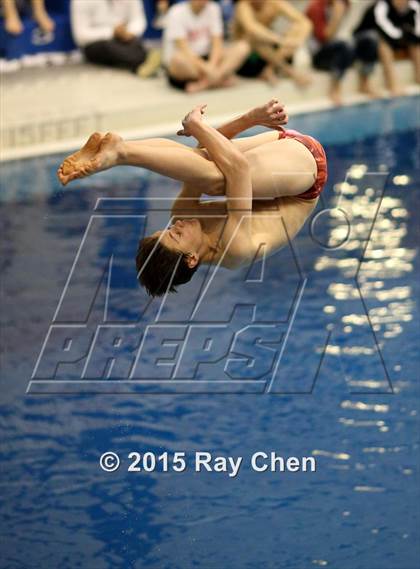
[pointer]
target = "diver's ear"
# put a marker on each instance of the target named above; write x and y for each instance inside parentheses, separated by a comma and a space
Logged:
(192, 260)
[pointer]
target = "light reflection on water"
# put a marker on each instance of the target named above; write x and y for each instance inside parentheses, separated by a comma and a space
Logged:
(353, 513)
(379, 248)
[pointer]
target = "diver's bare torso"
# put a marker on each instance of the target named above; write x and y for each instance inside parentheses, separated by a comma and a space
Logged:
(283, 168)
(270, 226)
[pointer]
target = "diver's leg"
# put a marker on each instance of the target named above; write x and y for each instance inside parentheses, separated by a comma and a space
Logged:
(278, 168)
(165, 157)
(281, 168)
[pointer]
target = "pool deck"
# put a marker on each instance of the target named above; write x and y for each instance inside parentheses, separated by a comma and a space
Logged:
(53, 109)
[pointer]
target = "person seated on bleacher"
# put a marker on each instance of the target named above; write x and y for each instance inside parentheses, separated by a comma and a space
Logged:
(13, 10)
(336, 55)
(161, 9)
(271, 52)
(194, 55)
(396, 24)
(109, 33)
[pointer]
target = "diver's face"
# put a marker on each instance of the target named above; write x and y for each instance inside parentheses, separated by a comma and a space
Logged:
(184, 235)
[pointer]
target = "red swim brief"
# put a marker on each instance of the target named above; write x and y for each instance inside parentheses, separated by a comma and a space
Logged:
(317, 151)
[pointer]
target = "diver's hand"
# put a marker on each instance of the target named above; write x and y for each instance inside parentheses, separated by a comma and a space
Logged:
(193, 117)
(271, 115)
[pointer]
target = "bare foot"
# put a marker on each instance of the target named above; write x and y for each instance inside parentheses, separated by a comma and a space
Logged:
(99, 153)
(109, 154)
(13, 25)
(302, 80)
(196, 86)
(397, 92)
(71, 166)
(228, 82)
(366, 89)
(43, 20)
(335, 95)
(270, 76)
(371, 92)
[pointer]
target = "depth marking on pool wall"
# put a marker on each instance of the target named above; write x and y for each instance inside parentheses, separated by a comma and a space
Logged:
(223, 339)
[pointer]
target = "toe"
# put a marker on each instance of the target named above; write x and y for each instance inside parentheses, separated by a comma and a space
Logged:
(65, 167)
(60, 175)
(94, 139)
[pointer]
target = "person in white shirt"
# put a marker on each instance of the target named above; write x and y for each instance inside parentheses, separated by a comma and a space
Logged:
(193, 52)
(109, 33)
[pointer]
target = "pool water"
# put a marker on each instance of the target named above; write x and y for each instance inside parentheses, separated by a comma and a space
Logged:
(313, 352)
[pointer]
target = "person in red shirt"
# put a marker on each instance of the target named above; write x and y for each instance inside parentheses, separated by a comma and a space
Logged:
(329, 53)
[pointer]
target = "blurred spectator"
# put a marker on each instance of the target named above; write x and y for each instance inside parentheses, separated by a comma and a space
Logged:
(108, 32)
(193, 51)
(396, 24)
(13, 10)
(162, 6)
(270, 51)
(161, 9)
(336, 55)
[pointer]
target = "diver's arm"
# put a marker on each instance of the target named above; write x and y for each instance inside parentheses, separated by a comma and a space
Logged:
(235, 126)
(230, 160)
(271, 115)
(187, 202)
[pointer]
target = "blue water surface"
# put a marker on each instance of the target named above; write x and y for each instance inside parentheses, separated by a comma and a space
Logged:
(312, 353)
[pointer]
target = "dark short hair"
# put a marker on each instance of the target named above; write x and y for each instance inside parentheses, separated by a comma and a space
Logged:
(159, 269)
